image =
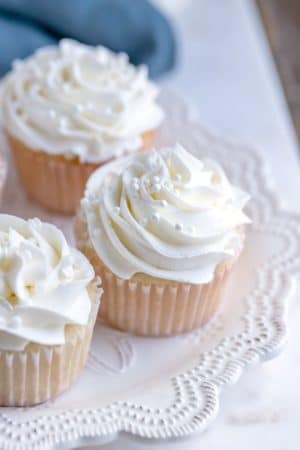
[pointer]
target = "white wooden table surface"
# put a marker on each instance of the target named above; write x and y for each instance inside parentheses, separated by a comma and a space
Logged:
(226, 72)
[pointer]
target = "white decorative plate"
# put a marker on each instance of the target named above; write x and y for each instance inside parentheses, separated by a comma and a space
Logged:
(170, 388)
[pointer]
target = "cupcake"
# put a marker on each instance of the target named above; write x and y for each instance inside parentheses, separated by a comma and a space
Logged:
(163, 230)
(48, 307)
(70, 108)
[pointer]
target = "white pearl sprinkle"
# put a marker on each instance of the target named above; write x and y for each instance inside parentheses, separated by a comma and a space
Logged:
(136, 186)
(63, 121)
(163, 203)
(15, 322)
(147, 182)
(79, 107)
(177, 177)
(66, 87)
(119, 153)
(52, 113)
(67, 271)
(168, 184)
(108, 111)
(155, 216)
(156, 187)
(178, 226)
(27, 253)
(143, 221)
(156, 179)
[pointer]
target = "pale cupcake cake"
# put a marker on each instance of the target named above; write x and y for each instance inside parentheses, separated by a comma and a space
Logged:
(49, 300)
(69, 109)
(163, 230)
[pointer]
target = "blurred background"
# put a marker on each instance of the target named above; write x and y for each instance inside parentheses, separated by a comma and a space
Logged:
(281, 19)
(182, 41)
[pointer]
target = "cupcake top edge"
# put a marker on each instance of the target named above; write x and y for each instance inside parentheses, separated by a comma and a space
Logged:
(79, 101)
(43, 284)
(166, 214)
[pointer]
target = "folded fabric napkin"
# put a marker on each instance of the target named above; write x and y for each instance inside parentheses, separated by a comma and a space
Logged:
(133, 26)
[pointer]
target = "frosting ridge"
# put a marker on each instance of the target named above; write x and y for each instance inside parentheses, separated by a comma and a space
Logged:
(165, 214)
(43, 284)
(79, 101)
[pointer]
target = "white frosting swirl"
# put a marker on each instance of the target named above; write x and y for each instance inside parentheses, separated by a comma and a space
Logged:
(43, 284)
(79, 101)
(165, 214)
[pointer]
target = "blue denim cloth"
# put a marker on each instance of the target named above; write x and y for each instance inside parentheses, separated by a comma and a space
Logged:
(133, 26)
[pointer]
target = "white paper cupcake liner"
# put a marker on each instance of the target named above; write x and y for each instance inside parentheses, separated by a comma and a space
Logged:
(41, 372)
(159, 310)
(154, 307)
